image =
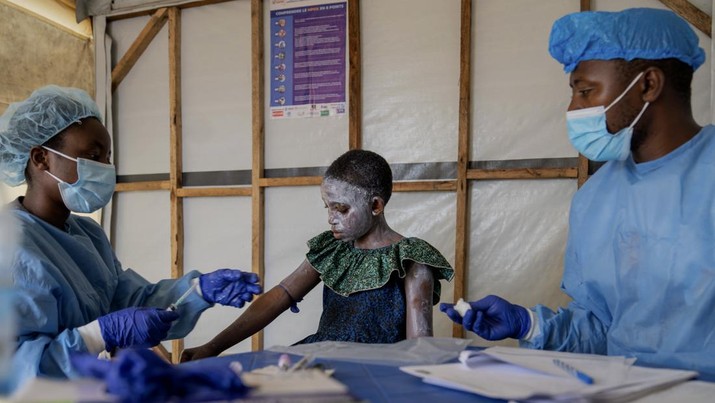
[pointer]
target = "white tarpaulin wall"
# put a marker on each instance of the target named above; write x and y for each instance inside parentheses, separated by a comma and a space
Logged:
(410, 81)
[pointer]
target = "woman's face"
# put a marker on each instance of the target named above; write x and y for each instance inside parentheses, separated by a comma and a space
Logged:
(90, 140)
(349, 212)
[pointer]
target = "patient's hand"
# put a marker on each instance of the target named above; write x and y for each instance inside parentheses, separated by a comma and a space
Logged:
(197, 353)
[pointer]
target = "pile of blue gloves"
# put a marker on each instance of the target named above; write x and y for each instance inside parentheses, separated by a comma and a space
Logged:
(139, 375)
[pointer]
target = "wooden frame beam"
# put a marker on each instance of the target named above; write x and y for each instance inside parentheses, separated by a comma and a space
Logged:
(524, 173)
(582, 175)
(462, 185)
(214, 191)
(354, 77)
(157, 21)
(692, 14)
(142, 186)
(175, 158)
(258, 127)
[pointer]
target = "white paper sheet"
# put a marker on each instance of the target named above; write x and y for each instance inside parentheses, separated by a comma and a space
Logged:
(522, 374)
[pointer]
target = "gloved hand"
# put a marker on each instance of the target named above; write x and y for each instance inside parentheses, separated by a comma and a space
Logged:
(139, 375)
(492, 318)
(229, 287)
(135, 327)
(451, 312)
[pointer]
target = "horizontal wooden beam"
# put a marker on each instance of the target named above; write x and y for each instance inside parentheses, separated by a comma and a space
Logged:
(522, 173)
(293, 181)
(214, 192)
(398, 186)
(140, 44)
(140, 186)
(424, 186)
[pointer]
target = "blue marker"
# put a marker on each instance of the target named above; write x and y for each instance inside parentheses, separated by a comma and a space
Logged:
(574, 372)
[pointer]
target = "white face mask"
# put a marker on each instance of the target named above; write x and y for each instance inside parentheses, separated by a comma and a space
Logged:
(94, 187)
(589, 134)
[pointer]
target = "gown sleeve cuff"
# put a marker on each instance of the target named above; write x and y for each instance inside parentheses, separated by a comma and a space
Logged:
(92, 337)
(534, 331)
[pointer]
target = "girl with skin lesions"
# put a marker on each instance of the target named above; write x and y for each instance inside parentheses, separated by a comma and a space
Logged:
(379, 286)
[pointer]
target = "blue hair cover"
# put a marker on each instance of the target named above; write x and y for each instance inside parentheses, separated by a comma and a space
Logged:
(636, 33)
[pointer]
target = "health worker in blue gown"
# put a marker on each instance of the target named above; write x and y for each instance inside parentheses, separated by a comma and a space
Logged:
(640, 258)
(71, 293)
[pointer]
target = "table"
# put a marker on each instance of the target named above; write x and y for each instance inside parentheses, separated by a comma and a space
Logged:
(373, 383)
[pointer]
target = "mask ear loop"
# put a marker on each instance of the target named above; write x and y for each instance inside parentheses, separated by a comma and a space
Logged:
(56, 178)
(61, 154)
(623, 94)
(639, 115)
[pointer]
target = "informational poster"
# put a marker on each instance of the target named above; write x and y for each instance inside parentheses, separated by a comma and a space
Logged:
(307, 61)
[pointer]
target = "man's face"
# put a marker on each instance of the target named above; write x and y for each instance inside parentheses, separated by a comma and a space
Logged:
(600, 82)
(349, 213)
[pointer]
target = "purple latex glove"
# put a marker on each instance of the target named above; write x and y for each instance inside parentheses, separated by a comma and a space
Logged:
(492, 318)
(138, 375)
(229, 287)
(135, 327)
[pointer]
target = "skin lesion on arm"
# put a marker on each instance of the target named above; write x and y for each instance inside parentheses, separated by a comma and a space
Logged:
(419, 285)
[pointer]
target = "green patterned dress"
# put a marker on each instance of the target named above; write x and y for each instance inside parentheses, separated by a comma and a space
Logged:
(364, 293)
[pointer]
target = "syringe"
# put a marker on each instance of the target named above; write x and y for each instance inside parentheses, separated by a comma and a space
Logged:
(181, 299)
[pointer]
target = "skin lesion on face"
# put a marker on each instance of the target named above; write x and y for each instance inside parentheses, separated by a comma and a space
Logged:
(349, 211)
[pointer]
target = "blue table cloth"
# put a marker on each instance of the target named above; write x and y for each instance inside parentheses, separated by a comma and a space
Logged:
(373, 383)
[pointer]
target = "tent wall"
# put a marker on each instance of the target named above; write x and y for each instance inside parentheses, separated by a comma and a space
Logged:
(514, 231)
(33, 53)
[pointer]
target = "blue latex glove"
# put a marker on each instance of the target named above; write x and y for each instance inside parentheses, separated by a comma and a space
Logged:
(135, 327)
(138, 375)
(229, 287)
(492, 318)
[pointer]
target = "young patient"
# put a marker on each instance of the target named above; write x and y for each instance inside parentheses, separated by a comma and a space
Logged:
(379, 285)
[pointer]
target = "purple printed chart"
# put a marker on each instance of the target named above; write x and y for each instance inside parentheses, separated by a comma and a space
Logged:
(307, 60)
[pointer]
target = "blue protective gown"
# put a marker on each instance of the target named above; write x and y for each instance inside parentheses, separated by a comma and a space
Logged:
(640, 263)
(66, 279)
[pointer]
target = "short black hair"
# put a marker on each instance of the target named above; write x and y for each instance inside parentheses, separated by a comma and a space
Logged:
(364, 169)
(678, 75)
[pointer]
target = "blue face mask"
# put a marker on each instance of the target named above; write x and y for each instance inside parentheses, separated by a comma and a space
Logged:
(589, 135)
(94, 187)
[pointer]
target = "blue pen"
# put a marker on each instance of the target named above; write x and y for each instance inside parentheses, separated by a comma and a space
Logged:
(574, 372)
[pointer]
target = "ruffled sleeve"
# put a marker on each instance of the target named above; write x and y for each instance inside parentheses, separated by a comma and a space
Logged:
(346, 269)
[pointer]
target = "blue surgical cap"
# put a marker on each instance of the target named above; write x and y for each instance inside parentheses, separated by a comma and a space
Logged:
(636, 33)
(29, 123)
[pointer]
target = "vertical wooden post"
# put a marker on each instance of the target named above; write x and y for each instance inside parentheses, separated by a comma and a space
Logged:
(465, 78)
(257, 206)
(583, 161)
(175, 157)
(354, 76)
